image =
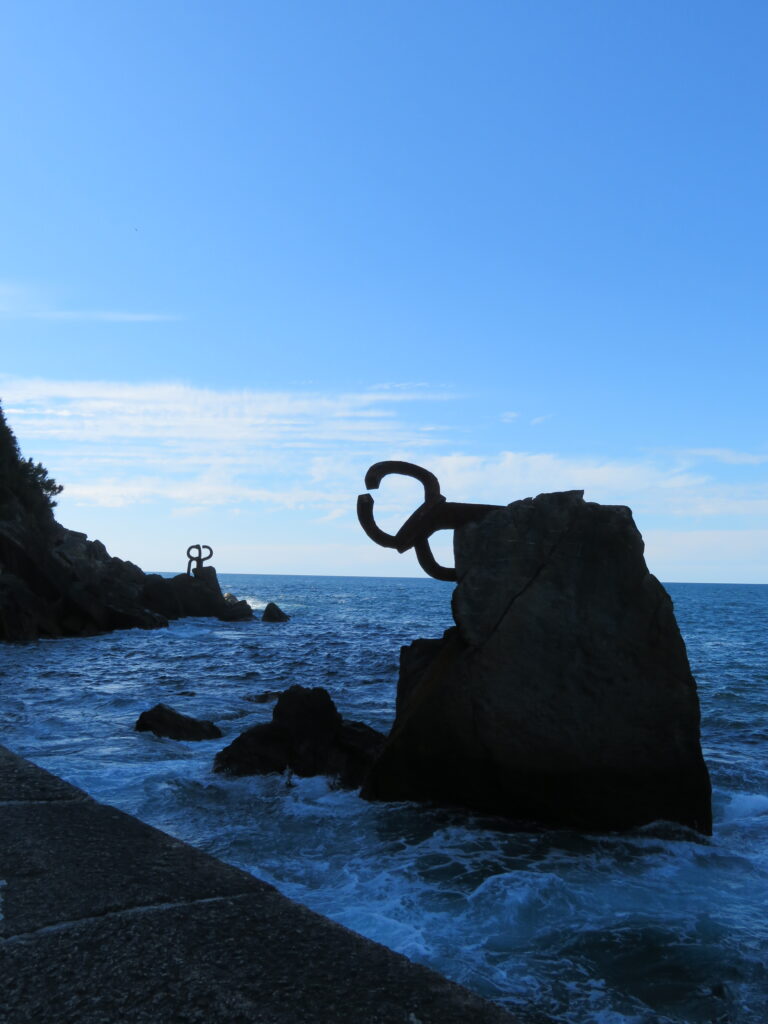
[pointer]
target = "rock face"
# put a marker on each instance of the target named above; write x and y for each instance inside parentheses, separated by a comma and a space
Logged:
(184, 595)
(563, 695)
(55, 582)
(307, 735)
(165, 721)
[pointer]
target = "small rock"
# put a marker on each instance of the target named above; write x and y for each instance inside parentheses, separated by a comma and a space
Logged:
(263, 698)
(165, 721)
(274, 614)
(308, 736)
(235, 612)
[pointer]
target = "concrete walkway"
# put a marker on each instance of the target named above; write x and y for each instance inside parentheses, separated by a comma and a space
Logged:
(105, 919)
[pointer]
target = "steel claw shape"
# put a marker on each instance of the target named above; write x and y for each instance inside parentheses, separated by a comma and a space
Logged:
(435, 513)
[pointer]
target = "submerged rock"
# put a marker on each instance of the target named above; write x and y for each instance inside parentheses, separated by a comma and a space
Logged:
(265, 697)
(306, 735)
(274, 614)
(564, 694)
(166, 721)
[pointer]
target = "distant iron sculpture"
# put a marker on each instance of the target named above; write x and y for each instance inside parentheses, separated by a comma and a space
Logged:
(435, 513)
(198, 558)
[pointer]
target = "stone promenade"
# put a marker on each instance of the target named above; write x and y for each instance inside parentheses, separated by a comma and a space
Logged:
(105, 919)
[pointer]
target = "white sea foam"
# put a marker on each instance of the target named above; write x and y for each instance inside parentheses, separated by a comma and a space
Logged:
(745, 805)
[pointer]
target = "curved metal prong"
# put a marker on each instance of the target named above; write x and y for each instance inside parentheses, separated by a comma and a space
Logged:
(428, 480)
(430, 565)
(435, 513)
(368, 523)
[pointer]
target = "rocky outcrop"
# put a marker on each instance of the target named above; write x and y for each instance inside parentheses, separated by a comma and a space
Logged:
(306, 735)
(272, 613)
(166, 721)
(55, 582)
(563, 695)
(234, 609)
(184, 595)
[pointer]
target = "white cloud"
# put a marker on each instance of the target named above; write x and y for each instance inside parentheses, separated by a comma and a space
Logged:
(652, 487)
(728, 456)
(511, 475)
(169, 449)
(188, 420)
(508, 417)
(116, 444)
(708, 556)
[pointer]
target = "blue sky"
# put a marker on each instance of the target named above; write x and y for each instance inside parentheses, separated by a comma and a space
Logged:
(249, 248)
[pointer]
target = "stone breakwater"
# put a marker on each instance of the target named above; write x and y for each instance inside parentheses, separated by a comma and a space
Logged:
(105, 918)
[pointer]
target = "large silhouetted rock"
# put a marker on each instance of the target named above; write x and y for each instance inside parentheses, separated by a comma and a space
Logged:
(563, 695)
(306, 735)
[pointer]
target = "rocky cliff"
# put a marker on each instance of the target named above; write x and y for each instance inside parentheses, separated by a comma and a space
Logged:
(55, 582)
(563, 695)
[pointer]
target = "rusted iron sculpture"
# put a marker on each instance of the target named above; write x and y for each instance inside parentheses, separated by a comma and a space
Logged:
(435, 513)
(198, 558)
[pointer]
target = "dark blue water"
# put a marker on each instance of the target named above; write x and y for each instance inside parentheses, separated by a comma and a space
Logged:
(655, 926)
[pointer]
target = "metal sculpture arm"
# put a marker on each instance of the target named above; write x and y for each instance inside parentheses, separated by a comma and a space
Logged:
(435, 513)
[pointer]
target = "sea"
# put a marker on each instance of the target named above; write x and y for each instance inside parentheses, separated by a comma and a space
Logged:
(652, 926)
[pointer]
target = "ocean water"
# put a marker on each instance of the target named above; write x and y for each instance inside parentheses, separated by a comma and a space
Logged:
(659, 925)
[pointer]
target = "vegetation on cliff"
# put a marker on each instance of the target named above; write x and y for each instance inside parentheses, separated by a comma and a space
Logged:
(23, 480)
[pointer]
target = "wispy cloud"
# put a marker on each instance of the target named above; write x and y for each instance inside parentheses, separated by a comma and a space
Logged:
(188, 421)
(728, 456)
(20, 302)
(663, 486)
(98, 316)
(116, 444)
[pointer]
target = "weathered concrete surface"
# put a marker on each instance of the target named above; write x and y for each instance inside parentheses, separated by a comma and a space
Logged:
(106, 919)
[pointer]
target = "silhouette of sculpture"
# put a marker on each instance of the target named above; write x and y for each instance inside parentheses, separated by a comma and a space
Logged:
(198, 558)
(435, 513)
